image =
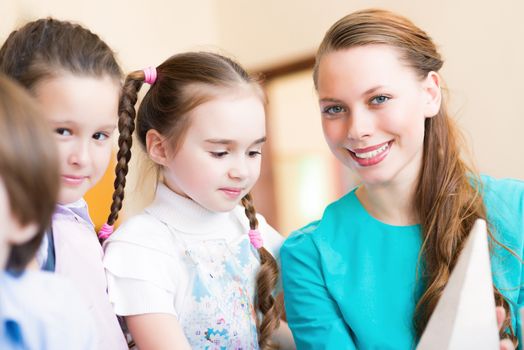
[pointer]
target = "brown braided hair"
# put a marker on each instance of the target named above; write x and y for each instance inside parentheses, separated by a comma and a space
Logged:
(448, 196)
(44, 48)
(267, 279)
(185, 81)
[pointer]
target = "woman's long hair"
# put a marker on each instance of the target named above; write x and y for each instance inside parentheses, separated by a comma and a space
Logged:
(447, 198)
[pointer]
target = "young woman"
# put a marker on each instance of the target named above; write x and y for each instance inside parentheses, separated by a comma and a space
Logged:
(370, 273)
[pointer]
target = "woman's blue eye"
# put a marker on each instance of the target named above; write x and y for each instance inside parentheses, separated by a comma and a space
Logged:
(377, 100)
(63, 131)
(218, 154)
(333, 109)
(100, 136)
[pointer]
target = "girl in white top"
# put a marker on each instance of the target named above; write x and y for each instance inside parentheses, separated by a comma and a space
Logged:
(195, 269)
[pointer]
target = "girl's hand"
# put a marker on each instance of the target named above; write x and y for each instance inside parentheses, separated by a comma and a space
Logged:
(505, 344)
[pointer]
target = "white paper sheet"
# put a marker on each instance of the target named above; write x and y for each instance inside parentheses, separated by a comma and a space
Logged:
(465, 317)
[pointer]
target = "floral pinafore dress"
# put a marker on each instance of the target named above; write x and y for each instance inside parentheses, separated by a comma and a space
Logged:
(218, 311)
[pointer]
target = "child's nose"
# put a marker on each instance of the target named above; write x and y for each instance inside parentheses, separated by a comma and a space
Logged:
(239, 169)
(79, 154)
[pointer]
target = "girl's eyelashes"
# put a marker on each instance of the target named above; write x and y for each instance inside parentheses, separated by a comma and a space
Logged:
(63, 132)
(379, 99)
(100, 136)
(220, 154)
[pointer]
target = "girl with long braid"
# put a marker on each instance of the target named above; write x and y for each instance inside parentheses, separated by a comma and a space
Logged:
(76, 80)
(195, 269)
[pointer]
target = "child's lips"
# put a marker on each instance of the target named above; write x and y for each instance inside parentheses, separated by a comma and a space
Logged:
(73, 180)
(231, 192)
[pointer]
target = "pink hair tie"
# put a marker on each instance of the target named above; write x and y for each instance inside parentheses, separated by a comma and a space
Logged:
(105, 231)
(149, 75)
(255, 238)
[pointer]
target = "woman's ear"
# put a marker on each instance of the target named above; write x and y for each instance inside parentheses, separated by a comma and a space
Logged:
(433, 93)
(156, 147)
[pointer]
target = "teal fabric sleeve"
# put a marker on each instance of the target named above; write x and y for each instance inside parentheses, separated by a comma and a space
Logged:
(316, 320)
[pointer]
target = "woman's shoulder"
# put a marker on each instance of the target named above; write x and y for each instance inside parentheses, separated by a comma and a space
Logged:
(300, 233)
(334, 214)
(503, 187)
(504, 201)
(503, 196)
(301, 238)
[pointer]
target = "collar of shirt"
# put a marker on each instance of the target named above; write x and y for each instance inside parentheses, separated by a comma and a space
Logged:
(187, 216)
(77, 210)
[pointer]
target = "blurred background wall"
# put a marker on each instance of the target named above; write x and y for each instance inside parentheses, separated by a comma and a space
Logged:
(481, 42)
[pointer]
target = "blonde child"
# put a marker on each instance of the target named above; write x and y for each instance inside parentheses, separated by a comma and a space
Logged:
(76, 80)
(196, 269)
(38, 310)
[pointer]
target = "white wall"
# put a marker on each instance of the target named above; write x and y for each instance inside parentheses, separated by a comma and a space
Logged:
(482, 42)
(142, 32)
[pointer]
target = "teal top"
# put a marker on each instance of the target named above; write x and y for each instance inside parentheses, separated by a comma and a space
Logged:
(350, 280)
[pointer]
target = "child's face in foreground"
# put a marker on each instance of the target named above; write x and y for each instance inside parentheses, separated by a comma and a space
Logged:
(219, 160)
(373, 110)
(83, 113)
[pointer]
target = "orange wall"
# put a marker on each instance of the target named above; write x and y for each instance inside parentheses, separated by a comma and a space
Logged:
(99, 197)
